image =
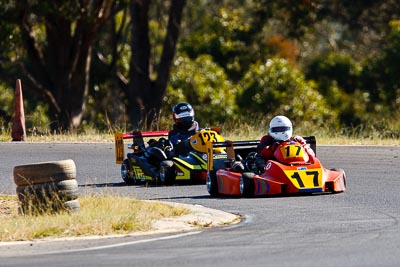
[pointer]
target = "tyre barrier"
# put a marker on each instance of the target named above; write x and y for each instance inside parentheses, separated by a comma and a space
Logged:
(47, 187)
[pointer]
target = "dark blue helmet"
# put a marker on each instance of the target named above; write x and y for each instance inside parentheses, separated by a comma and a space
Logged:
(183, 114)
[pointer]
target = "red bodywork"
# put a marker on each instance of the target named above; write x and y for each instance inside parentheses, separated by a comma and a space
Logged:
(145, 134)
(294, 173)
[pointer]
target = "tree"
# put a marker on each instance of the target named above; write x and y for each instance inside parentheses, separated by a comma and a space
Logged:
(58, 38)
(381, 74)
(53, 42)
(144, 94)
(228, 31)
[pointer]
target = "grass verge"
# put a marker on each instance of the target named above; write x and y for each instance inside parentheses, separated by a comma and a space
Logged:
(99, 215)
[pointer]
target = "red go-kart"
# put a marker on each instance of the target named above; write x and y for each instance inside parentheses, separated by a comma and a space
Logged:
(292, 171)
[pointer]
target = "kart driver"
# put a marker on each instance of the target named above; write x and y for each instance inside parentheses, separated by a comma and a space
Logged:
(184, 127)
(280, 129)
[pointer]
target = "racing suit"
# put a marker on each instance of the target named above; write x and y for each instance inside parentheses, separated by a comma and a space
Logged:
(179, 137)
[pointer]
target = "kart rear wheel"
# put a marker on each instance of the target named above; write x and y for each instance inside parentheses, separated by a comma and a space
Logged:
(126, 172)
(167, 172)
(247, 184)
(212, 184)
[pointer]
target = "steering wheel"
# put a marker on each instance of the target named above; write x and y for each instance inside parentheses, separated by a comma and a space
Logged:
(254, 163)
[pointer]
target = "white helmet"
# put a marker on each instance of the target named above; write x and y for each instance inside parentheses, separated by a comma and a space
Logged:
(280, 128)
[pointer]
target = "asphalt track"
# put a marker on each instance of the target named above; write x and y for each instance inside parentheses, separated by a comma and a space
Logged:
(359, 227)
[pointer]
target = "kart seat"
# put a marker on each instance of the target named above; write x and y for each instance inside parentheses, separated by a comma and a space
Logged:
(155, 153)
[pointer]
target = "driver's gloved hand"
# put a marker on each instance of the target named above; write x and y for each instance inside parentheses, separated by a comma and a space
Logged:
(237, 166)
(151, 142)
(169, 152)
(260, 163)
(182, 147)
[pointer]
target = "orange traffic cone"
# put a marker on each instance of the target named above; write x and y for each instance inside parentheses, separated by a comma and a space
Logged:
(18, 121)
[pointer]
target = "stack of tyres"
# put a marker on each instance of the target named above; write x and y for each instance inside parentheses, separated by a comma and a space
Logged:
(47, 187)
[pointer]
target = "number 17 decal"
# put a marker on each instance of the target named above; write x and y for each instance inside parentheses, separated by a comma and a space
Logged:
(307, 177)
(292, 151)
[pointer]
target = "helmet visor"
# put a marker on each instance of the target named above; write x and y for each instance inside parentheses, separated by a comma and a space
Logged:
(184, 114)
(280, 129)
(188, 119)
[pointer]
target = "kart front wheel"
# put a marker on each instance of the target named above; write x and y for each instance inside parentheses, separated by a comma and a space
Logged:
(211, 182)
(126, 172)
(247, 184)
(167, 172)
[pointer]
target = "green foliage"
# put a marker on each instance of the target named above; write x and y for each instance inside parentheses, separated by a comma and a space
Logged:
(11, 50)
(35, 116)
(6, 98)
(349, 53)
(335, 67)
(276, 87)
(381, 74)
(204, 84)
(7, 108)
(338, 77)
(226, 42)
(37, 121)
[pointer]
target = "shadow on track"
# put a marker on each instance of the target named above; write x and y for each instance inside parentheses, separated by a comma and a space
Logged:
(121, 184)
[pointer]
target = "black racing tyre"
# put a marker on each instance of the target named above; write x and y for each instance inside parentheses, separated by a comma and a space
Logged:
(46, 197)
(40, 202)
(72, 205)
(62, 191)
(247, 184)
(167, 172)
(43, 172)
(212, 183)
(126, 172)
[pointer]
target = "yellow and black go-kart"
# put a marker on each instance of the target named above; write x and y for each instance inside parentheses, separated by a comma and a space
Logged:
(156, 162)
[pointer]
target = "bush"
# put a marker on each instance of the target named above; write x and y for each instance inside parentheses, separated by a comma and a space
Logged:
(335, 67)
(204, 85)
(276, 87)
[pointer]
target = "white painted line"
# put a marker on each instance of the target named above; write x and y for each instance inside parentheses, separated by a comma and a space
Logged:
(121, 244)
